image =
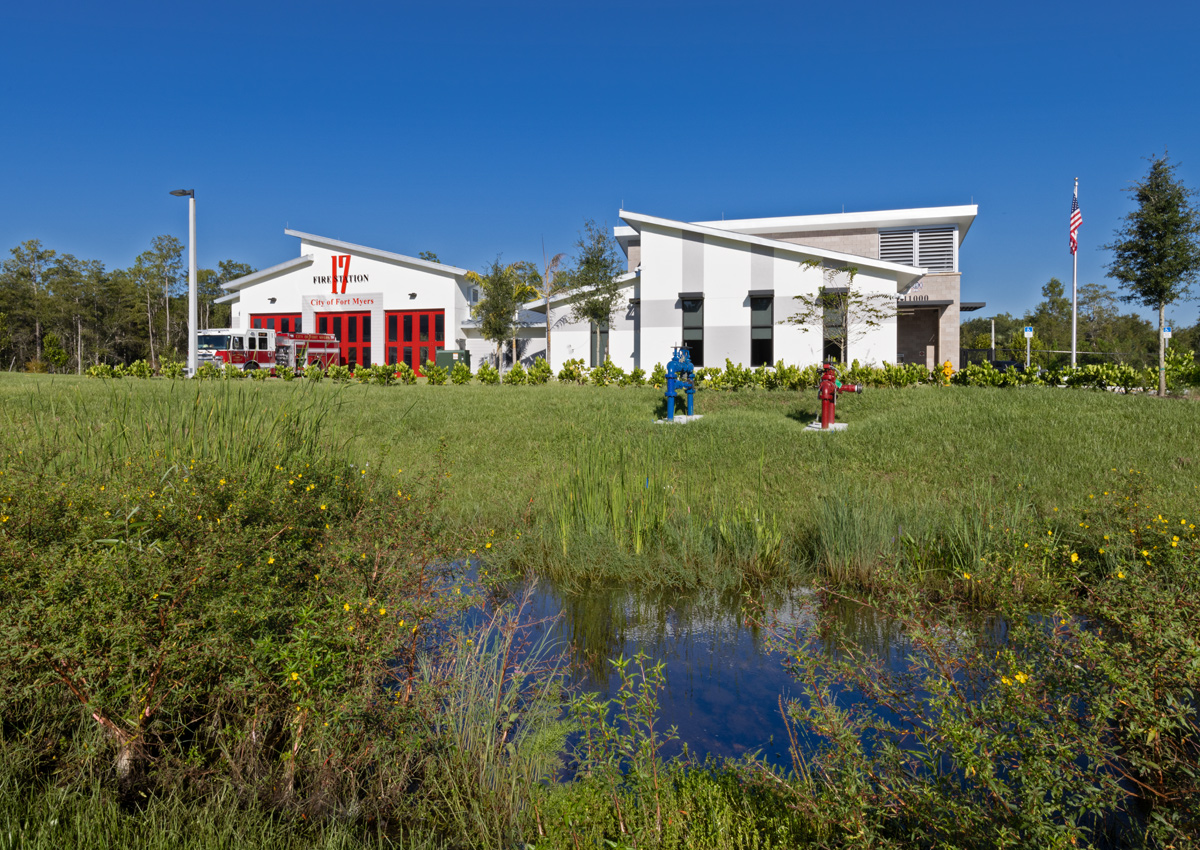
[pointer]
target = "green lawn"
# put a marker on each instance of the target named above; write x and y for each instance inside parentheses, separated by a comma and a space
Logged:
(918, 455)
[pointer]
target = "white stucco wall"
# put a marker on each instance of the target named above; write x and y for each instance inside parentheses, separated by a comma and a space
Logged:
(389, 285)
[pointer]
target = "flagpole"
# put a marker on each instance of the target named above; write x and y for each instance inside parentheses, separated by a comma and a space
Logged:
(1074, 288)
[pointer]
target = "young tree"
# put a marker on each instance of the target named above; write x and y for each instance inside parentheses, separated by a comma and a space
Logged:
(841, 311)
(593, 278)
(552, 282)
(1156, 252)
(505, 288)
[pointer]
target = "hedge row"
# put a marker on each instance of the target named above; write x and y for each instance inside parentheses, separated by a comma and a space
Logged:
(1182, 371)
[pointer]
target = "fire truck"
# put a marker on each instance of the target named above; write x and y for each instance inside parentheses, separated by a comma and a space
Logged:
(252, 348)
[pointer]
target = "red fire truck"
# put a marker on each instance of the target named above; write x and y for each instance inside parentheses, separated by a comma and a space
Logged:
(254, 348)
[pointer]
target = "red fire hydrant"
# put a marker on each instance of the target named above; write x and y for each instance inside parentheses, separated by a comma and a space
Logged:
(828, 391)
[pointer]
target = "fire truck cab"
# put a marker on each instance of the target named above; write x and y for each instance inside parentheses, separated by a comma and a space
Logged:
(252, 348)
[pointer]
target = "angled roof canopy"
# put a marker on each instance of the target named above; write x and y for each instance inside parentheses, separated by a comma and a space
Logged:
(904, 274)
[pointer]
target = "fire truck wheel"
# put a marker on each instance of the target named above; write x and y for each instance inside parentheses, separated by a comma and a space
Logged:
(251, 366)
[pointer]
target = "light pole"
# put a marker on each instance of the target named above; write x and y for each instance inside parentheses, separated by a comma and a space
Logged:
(190, 194)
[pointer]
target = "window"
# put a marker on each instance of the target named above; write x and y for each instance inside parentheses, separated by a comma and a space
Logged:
(322, 325)
(934, 248)
(424, 320)
(762, 331)
(392, 330)
(271, 324)
(337, 327)
(237, 343)
(408, 330)
(283, 325)
(366, 328)
(599, 344)
(296, 326)
(262, 342)
(439, 327)
(693, 329)
(408, 355)
(251, 345)
(257, 323)
(352, 356)
(392, 353)
(352, 328)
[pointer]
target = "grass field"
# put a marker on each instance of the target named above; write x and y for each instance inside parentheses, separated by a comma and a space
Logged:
(600, 485)
(203, 586)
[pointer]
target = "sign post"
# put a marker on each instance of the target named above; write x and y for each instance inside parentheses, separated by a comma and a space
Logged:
(1028, 336)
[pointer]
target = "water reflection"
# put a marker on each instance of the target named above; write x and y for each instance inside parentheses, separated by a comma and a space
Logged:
(724, 681)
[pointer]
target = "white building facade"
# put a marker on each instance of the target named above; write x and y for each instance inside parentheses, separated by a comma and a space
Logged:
(726, 288)
(382, 307)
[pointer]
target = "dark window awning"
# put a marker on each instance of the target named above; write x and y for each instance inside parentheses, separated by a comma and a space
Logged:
(968, 306)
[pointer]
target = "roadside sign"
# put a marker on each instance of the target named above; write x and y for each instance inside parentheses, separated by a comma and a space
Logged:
(1028, 332)
(1166, 333)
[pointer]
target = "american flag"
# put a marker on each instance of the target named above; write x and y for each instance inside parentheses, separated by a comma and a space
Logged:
(1076, 219)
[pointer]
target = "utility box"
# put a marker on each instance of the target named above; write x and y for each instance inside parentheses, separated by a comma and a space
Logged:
(448, 357)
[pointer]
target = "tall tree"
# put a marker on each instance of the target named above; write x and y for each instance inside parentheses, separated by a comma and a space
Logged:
(25, 288)
(1156, 252)
(593, 277)
(158, 273)
(209, 283)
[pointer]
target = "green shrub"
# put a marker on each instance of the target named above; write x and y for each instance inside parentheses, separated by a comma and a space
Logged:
(262, 374)
(488, 374)
(101, 370)
(516, 376)
(540, 372)
(231, 372)
(573, 372)
(636, 377)
(435, 374)
(314, 372)
(461, 373)
(140, 369)
(171, 368)
(338, 374)
(658, 377)
(208, 371)
(606, 373)
(405, 374)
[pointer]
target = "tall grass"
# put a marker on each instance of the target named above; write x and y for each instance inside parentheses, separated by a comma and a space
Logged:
(226, 423)
(499, 727)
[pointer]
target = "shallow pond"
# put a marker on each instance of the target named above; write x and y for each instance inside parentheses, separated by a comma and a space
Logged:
(723, 680)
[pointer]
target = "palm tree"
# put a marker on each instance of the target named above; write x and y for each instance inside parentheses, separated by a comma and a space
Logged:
(551, 284)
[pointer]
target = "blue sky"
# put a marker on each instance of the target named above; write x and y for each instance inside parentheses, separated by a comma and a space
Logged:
(472, 129)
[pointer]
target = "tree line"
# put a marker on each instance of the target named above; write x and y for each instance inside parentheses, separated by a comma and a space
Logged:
(59, 312)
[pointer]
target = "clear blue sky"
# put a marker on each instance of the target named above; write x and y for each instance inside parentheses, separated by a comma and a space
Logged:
(471, 129)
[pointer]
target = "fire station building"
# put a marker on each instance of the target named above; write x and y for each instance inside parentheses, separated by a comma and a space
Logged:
(722, 288)
(382, 307)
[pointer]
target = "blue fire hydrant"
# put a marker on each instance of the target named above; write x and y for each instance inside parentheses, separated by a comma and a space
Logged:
(681, 375)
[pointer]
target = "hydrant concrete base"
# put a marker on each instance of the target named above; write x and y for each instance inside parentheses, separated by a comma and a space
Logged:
(815, 425)
(680, 419)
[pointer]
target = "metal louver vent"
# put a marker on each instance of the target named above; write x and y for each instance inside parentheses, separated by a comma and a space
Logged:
(929, 249)
(896, 246)
(935, 249)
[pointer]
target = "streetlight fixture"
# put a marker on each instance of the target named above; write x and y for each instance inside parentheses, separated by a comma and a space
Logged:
(190, 194)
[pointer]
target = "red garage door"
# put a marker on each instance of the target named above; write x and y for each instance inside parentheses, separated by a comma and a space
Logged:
(414, 336)
(353, 331)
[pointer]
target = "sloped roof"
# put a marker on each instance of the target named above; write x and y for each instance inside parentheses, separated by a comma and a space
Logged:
(903, 273)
